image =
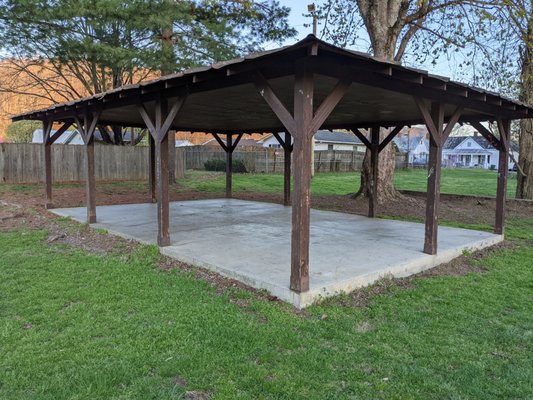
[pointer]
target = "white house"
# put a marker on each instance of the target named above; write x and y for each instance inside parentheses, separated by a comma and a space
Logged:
(416, 147)
(324, 140)
(473, 151)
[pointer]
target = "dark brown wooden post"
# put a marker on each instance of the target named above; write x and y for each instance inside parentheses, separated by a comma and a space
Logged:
(151, 167)
(86, 126)
(503, 164)
(434, 119)
(433, 186)
(286, 144)
(302, 126)
(90, 188)
(162, 184)
(159, 125)
(303, 117)
(48, 140)
(229, 165)
(374, 167)
(287, 150)
(47, 128)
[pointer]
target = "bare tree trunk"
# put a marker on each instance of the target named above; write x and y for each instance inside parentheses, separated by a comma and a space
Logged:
(524, 184)
(387, 161)
(382, 21)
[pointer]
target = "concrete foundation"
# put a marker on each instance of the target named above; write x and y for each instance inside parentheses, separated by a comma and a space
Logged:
(250, 241)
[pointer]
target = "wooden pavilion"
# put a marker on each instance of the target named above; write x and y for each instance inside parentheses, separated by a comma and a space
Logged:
(298, 89)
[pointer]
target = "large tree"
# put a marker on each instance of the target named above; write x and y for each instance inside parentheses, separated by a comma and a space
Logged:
(511, 59)
(419, 30)
(58, 50)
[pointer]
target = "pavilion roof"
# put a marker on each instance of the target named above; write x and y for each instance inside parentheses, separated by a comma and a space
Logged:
(223, 98)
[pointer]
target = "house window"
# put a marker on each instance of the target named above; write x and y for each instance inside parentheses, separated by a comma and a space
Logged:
(488, 159)
(469, 144)
(330, 147)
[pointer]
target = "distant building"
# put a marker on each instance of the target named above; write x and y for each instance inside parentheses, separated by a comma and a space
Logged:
(415, 146)
(74, 137)
(68, 137)
(473, 151)
(183, 143)
(324, 140)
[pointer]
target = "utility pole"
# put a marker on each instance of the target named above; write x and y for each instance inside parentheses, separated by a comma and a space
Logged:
(311, 9)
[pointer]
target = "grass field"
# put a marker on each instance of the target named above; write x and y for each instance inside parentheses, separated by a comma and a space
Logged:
(473, 182)
(75, 325)
(476, 182)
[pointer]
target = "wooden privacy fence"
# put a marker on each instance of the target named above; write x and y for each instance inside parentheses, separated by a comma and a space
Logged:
(270, 160)
(23, 162)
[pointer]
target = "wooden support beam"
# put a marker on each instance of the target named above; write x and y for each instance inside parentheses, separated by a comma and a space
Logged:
(162, 177)
(151, 168)
(86, 124)
(159, 125)
(303, 117)
(287, 150)
(286, 144)
(265, 90)
(279, 139)
(493, 140)
(90, 188)
(361, 137)
(229, 165)
(389, 137)
(302, 126)
(53, 137)
(236, 142)
(47, 148)
(220, 142)
(504, 126)
(434, 118)
(374, 167)
(48, 140)
(329, 104)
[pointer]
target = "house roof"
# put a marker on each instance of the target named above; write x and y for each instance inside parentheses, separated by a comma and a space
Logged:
(337, 137)
(223, 97)
(453, 141)
(408, 143)
(469, 151)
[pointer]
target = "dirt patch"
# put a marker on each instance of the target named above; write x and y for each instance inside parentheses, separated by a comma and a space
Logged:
(221, 284)
(197, 395)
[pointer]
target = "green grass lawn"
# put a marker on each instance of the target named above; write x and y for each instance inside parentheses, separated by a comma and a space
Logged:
(476, 182)
(75, 325)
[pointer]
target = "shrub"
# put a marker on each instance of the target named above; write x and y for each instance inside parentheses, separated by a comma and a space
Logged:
(220, 165)
(22, 131)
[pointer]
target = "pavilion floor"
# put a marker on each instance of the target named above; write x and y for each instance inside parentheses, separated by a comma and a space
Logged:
(250, 241)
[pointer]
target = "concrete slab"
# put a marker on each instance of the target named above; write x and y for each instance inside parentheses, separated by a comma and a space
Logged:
(250, 241)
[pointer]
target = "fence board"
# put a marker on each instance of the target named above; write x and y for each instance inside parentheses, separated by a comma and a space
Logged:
(23, 163)
(270, 160)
